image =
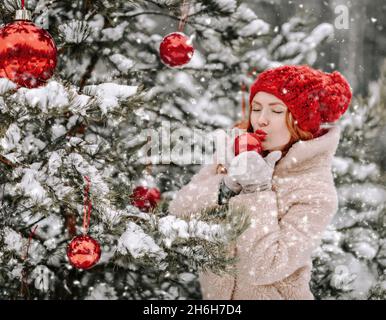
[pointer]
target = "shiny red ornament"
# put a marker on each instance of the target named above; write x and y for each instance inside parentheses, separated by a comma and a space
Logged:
(83, 252)
(28, 54)
(145, 199)
(176, 49)
(249, 142)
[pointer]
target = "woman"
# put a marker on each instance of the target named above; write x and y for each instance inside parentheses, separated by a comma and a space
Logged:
(288, 192)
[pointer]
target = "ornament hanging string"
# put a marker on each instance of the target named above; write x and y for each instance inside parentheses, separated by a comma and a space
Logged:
(83, 251)
(24, 277)
(87, 206)
(184, 15)
(22, 4)
(243, 93)
(32, 233)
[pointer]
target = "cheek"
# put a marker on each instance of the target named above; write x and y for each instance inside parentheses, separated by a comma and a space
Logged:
(282, 134)
(253, 120)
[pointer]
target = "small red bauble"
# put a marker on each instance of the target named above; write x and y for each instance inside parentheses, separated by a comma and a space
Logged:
(145, 199)
(83, 252)
(249, 142)
(28, 54)
(176, 49)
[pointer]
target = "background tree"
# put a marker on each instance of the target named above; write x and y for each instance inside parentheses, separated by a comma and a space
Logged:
(350, 263)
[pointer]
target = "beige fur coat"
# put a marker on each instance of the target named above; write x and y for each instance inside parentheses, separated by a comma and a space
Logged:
(274, 253)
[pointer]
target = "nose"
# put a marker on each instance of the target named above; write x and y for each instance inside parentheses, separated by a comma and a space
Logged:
(263, 119)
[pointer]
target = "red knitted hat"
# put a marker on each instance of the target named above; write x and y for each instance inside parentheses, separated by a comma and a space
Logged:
(312, 96)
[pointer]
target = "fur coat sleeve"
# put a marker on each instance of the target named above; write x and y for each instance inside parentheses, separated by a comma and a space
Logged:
(200, 193)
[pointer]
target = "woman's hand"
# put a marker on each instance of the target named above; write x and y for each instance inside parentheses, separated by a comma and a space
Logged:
(250, 172)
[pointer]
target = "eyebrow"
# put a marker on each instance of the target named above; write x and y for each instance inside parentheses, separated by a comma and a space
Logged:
(270, 104)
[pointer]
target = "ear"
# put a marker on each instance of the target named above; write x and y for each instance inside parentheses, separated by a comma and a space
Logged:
(272, 158)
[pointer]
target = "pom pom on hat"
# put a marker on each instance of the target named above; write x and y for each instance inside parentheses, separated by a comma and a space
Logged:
(335, 99)
(312, 96)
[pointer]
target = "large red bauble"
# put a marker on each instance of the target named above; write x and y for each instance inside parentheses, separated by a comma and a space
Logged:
(83, 252)
(28, 54)
(176, 49)
(145, 199)
(249, 142)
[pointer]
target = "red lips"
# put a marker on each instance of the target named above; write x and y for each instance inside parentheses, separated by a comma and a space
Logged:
(262, 134)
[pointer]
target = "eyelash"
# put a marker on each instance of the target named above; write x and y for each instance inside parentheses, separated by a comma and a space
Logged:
(272, 111)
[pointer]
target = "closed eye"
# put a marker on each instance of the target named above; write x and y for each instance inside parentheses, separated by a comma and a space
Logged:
(255, 110)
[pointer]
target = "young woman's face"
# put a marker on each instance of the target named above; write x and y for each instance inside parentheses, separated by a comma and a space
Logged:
(269, 114)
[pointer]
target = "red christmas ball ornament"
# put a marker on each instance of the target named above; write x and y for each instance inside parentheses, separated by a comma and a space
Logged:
(176, 49)
(249, 142)
(83, 252)
(145, 199)
(28, 54)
